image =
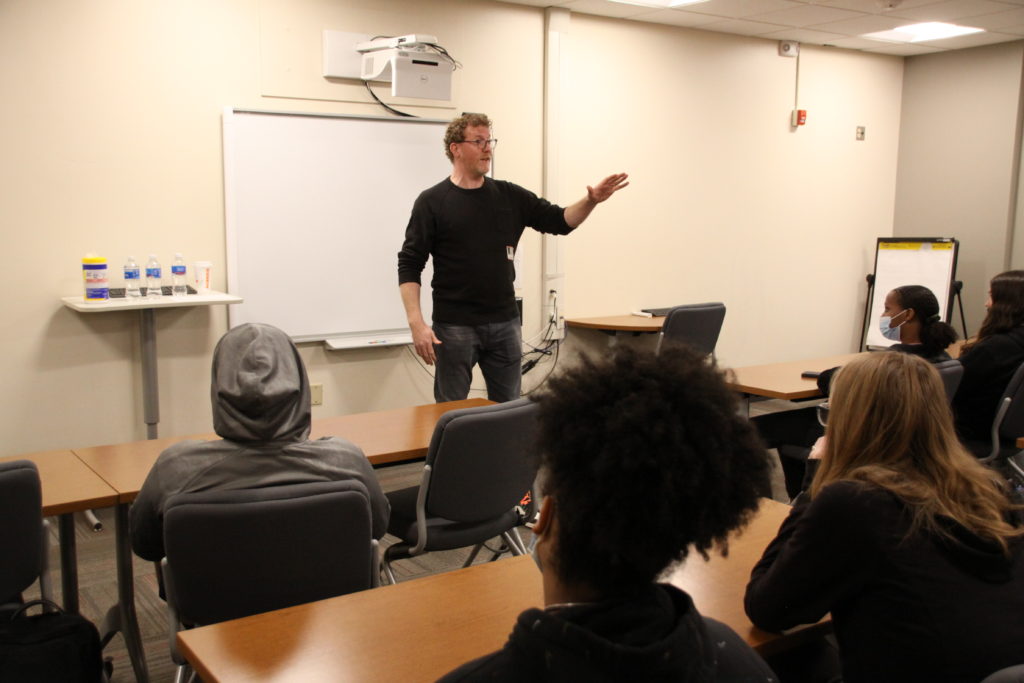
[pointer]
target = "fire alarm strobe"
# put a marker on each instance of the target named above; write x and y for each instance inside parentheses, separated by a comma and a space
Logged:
(789, 48)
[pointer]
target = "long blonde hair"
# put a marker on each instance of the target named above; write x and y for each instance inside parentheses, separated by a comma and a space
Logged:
(890, 425)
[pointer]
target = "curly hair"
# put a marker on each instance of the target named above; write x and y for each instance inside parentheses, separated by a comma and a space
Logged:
(457, 130)
(1007, 309)
(645, 455)
(936, 335)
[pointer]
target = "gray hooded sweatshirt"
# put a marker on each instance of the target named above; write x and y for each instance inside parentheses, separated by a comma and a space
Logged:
(261, 409)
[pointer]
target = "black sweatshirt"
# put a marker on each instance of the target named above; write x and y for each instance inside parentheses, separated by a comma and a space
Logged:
(905, 606)
(988, 367)
(472, 236)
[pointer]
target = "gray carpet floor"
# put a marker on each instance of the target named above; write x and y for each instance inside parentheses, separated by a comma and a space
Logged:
(98, 579)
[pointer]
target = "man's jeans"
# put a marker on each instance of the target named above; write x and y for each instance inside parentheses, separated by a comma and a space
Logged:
(497, 347)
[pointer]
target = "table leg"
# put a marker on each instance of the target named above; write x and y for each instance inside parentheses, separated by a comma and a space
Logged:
(122, 616)
(68, 562)
(150, 390)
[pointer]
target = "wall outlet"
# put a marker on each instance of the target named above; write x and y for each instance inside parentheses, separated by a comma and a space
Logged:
(316, 394)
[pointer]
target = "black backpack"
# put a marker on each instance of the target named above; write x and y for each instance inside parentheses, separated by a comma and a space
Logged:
(56, 647)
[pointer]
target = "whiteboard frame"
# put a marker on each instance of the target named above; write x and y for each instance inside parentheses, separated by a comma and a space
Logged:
(344, 339)
(883, 283)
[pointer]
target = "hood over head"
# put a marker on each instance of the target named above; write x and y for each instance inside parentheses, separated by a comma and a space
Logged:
(259, 391)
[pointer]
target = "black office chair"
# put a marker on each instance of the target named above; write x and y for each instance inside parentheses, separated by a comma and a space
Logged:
(235, 553)
(23, 535)
(1007, 425)
(697, 325)
(478, 468)
(951, 372)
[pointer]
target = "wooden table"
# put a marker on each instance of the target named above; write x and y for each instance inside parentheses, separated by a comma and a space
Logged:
(421, 629)
(717, 586)
(68, 486)
(783, 380)
(618, 323)
(385, 437)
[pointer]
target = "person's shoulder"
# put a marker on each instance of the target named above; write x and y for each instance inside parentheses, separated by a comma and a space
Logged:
(735, 660)
(854, 500)
(436, 191)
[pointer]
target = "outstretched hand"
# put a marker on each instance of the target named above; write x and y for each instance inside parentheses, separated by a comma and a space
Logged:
(607, 187)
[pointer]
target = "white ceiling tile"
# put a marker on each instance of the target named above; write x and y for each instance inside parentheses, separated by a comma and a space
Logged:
(873, 6)
(804, 35)
(999, 20)
(950, 10)
(605, 9)
(677, 17)
(862, 25)
(855, 43)
(972, 40)
(740, 8)
(907, 50)
(746, 28)
(806, 15)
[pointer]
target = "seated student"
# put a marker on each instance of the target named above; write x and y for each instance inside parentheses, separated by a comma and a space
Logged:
(642, 457)
(903, 537)
(910, 317)
(261, 409)
(990, 360)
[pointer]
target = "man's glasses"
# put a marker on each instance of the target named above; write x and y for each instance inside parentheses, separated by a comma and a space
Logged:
(482, 144)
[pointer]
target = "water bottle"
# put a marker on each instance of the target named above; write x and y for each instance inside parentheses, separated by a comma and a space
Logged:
(153, 276)
(132, 278)
(178, 286)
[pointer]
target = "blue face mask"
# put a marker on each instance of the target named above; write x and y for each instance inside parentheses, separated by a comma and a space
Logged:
(888, 331)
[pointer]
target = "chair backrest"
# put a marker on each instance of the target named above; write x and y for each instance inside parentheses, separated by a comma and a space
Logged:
(21, 527)
(480, 461)
(697, 325)
(1009, 420)
(235, 553)
(951, 372)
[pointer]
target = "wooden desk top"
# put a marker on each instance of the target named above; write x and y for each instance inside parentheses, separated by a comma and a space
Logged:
(717, 586)
(783, 380)
(413, 631)
(67, 484)
(618, 323)
(385, 436)
(391, 435)
(441, 621)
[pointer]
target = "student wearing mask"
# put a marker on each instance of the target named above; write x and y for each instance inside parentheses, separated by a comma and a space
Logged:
(903, 537)
(261, 409)
(990, 360)
(643, 458)
(910, 317)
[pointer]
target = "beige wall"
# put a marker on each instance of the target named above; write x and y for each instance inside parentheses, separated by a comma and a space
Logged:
(728, 203)
(112, 144)
(958, 158)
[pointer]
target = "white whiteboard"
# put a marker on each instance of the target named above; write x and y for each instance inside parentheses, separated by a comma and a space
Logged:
(315, 210)
(927, 261)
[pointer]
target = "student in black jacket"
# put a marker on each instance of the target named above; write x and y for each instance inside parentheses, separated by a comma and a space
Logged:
(990, 360)
(903, 537)
(643, 458)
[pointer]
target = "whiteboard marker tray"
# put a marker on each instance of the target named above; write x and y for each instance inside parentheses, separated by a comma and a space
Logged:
(368, 341)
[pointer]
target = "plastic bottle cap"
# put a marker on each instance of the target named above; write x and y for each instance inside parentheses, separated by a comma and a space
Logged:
(152, 256)
(177, 254)
(94, 259)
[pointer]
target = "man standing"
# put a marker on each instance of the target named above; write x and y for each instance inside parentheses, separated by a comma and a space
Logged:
(471, 224)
